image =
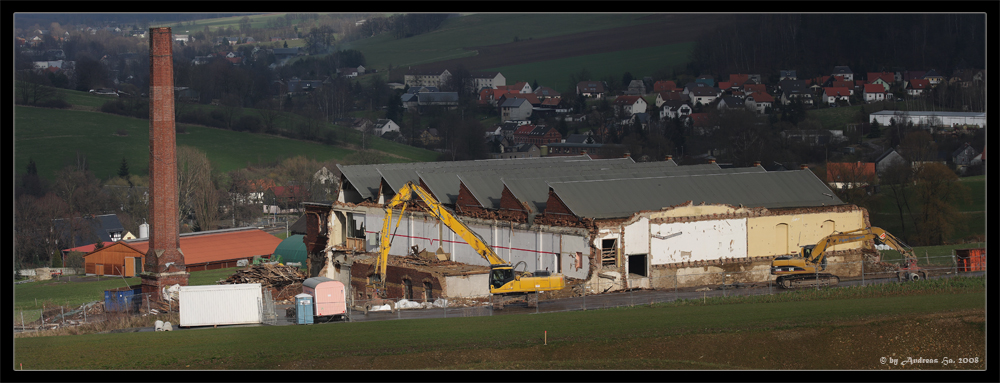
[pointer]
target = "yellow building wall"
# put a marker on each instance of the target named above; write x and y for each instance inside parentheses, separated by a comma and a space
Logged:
(695, 211)
(782, 234)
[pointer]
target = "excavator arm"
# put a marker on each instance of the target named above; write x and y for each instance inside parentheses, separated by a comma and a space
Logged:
(405, 196)
(503, 282)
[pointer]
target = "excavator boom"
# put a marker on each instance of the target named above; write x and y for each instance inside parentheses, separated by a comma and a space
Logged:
(806, 271)
(502, 277)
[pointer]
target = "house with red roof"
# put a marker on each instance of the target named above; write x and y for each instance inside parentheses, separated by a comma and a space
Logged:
(664, 86)
(848, 175)
(917, 87)
(874, 93)
(630, 105)
(759, 102)
(833, 94)
(738, 79)
(676, 95)
(754, 88)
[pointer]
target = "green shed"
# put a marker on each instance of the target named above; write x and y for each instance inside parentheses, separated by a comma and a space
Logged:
(292, 249)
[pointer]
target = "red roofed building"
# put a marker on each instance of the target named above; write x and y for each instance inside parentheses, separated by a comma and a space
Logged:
(217, 249)
(759, 102)
(664, 86)
(630, 105)
(833, 94)
(874, 92)
(916, 87)
(754, 88)
(725, 85)
(847, 175)
(849, 85)
(739, 79)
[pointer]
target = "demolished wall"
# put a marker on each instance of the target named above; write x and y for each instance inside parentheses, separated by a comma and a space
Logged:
(691, 245)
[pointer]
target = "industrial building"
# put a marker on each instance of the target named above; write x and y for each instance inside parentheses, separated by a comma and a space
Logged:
(610, 224)
(931, 118)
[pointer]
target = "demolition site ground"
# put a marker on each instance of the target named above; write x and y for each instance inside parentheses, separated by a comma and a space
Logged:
(931, 324)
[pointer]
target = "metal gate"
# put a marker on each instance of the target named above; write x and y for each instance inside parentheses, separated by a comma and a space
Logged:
(267, 314)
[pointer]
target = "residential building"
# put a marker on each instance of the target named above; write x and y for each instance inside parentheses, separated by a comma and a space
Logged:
(849, 175)
(428, 77)
(592, 89)
(629, 105)
(515, 109)
(844, 71)
(874, 93)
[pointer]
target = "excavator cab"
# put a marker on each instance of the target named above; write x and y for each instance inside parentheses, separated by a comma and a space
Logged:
(807, 251)
(500, 276)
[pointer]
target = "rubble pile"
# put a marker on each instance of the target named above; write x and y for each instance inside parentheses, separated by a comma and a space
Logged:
(873, 264)
(283, 281)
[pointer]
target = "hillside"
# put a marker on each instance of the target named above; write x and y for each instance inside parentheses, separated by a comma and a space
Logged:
(55, 138)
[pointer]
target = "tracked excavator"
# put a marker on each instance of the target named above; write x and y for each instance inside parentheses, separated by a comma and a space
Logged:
(809, 269)
(506, 285)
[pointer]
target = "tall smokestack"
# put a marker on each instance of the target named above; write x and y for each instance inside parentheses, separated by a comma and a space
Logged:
(164, 261)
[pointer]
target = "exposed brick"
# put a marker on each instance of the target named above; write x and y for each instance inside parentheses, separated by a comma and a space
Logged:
(164, 261)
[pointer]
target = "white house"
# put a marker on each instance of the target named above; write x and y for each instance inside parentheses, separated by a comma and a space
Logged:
(383, 126)
(515, 109)
(674, 109)
(759, 102)
(631, 104)
(874, 92)
(488, 80)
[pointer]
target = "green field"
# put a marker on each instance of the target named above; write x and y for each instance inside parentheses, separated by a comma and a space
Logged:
(639, 62)
(456, 34)
(53, 139)
(510, 341)
(972, 211)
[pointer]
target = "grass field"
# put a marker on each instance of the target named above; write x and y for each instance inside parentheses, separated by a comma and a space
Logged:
(456, 34)
(54, 138)
(639, 62)
(663, 336)
(973, 211)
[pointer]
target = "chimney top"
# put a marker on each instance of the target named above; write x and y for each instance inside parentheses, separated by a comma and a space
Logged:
(803, 166)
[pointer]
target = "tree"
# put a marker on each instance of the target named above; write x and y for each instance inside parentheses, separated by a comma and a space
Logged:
(245, 25)
(319, 38)
(197, 192)
(123, 171)
(31, 183)
(937, 189)
(32, 88)
(895, 181)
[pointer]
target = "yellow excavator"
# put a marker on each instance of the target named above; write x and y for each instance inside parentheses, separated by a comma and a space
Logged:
(808, 270)
(506, 285)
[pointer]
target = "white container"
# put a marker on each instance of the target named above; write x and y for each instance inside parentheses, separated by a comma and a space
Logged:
(220, 304)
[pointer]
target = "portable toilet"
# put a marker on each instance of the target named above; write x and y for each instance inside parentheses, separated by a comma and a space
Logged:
(330, 296)
(304, 309)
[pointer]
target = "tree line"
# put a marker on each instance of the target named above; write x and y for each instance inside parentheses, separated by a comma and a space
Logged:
(207, 198)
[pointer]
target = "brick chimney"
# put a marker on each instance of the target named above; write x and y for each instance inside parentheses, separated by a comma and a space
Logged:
(669, 157)
(164, 264)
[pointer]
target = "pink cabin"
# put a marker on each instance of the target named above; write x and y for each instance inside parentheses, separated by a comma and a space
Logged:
(329, 296)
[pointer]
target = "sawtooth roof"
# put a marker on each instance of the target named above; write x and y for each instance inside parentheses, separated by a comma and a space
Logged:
(619, 198)
(367, 178)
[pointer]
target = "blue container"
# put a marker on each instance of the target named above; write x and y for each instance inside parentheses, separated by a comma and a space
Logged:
(123, 299)
(304, 309)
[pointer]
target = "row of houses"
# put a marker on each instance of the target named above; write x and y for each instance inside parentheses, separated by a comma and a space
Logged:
(849, 175)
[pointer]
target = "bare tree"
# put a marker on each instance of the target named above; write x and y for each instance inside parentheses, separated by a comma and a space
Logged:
(196, 189)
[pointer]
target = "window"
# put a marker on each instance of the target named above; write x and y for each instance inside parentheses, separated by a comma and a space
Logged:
(407, 289)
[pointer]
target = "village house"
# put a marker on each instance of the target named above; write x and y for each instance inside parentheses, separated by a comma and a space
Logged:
(592, 89)
(759, 102)
(415, 77)
(874, 93)
(629, 105)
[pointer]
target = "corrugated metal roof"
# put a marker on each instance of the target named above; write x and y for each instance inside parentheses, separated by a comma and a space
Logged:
(535, 191)
(485, 183)
(623, 197)
(366, 178)
(219, 245)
